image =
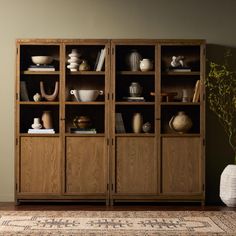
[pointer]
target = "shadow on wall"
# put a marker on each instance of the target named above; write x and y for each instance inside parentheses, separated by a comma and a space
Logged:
(218, 151)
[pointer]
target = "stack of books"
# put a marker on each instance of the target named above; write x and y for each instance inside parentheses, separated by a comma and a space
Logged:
(41, 68)
(179, 69)
(41, 131)
(83, 130)
(134, 99)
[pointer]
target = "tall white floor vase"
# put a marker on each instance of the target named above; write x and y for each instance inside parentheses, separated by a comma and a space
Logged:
(228, 186)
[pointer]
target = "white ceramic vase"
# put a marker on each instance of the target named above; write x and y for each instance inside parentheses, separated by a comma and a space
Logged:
(228, 186)
(73, 60)
(36, 124)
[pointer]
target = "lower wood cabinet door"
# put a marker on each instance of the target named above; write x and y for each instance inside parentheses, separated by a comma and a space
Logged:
(181, 165)
(40, 165)
(86, 165)
(136, 166)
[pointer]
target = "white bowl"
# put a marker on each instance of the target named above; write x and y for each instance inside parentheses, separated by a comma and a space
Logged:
(83, 95)
(41, 60)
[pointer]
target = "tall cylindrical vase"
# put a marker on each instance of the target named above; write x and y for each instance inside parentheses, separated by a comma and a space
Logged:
(47, 120)
(137, 122)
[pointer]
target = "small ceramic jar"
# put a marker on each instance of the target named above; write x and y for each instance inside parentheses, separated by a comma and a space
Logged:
(146, 65)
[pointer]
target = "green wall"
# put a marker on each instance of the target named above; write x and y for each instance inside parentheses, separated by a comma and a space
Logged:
(211, 20)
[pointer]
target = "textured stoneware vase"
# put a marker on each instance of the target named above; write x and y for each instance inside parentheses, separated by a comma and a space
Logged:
(134, 60)
(137, 123)
(47, 120)
(228, 186)
(180, 123)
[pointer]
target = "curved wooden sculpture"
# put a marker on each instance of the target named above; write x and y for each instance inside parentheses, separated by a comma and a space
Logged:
(51, 97)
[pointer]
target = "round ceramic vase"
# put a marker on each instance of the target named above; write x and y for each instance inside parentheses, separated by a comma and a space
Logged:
(180, 123)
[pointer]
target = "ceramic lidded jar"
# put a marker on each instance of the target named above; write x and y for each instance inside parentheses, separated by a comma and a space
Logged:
(180, 123)
(135, 90)
(134, 59)
(146, 65)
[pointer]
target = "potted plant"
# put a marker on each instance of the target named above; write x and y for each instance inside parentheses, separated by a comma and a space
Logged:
(221, 91)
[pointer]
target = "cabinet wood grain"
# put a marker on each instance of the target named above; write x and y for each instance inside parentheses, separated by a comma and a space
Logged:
(181, 165)
(86, 165)
(135, 165)
(40, 165)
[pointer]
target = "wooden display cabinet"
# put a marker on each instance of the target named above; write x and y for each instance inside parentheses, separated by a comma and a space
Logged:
(111, 163)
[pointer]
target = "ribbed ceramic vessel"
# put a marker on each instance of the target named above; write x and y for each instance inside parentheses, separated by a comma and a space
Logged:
(134, 60)
(228, 186)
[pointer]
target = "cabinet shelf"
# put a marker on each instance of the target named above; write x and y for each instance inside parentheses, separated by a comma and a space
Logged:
(136, 72)
(86, 72)
(135, 103)
(39, 103)
(26, 72)
(85, 103)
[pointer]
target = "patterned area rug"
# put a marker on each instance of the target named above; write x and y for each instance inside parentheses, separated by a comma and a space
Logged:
(122, 223)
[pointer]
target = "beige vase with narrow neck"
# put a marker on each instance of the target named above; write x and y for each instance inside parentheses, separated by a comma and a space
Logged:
(137, 122)
(47, 120)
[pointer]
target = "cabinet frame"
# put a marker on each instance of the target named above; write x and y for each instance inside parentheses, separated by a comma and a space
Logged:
(109, 106)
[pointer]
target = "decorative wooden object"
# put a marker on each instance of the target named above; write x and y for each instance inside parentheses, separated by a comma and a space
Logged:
(107, 161)
(51, 97)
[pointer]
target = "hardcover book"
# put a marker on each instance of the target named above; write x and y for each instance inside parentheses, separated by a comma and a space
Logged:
(120, 128)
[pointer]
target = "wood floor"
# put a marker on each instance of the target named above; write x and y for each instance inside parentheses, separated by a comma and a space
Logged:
(102, 207)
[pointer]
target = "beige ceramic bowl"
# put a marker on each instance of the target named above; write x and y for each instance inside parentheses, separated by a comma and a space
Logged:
(86, 95)
(41, 60)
